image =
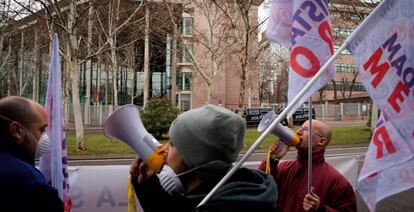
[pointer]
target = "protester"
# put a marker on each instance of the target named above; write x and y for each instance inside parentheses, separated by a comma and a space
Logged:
(23, 187)
(330, 190)
(203, 144)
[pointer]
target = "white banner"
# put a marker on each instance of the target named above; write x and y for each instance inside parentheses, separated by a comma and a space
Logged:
(104, 188)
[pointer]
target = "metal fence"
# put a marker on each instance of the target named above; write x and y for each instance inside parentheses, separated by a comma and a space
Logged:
(97, 114)
(338, 112)
(343, 111)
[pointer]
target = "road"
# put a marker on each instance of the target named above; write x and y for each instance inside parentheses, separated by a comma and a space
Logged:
(257, 156)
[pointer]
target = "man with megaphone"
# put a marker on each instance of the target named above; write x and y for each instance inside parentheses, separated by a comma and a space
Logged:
(204, 142)
(330, 190)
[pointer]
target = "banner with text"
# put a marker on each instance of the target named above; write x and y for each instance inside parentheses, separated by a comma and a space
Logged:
(383, 50)
(305, 28)
(104, 188)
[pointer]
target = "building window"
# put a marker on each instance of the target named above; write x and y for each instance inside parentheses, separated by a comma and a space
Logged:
(188, 24)
(342, 32)
(344, 52)
(343, 67)
(184, 55)
(184, 81)
(346, 86)
(185, 105)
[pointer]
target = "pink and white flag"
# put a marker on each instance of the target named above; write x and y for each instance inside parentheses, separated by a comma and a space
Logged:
(305, 28)
(383, 50)
(54, 164)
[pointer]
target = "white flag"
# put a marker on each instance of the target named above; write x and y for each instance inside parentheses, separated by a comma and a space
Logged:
(383, 50)
(305, 28)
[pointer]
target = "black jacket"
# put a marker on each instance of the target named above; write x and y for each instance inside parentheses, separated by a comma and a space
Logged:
(247, 190)
(22, 186)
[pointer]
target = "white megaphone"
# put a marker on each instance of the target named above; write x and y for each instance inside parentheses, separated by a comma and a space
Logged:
(285, 134)
(125, 124)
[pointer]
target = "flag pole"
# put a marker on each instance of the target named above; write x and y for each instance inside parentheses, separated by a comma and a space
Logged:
(310, 147)
(273, 124)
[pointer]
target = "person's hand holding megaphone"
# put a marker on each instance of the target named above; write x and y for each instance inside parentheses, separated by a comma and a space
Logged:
(140, 170)
(278, 149)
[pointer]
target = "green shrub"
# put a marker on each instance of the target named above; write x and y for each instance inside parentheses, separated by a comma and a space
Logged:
(158, 115)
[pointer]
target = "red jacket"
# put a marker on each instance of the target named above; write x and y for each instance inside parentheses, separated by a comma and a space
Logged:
(334, 191)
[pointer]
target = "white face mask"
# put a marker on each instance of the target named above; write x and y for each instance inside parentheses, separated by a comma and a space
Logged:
(42, 146)
(170, 181)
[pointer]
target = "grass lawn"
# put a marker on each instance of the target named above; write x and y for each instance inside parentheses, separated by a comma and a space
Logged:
(99, 145)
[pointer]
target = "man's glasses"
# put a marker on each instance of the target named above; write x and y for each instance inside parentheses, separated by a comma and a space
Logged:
(313, 131)
(4, 118)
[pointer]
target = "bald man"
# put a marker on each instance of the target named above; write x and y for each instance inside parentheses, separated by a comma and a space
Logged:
(330, 190)
(23, 187)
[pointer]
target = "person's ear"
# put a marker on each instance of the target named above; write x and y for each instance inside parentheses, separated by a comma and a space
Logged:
(323, 141)
(17, 131)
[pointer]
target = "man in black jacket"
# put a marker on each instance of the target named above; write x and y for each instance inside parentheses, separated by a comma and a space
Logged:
(203, 144)
(23, 187)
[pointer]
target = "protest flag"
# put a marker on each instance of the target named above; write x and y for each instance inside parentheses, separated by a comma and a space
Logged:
(54, 164)
(304, 27)
(383, 51)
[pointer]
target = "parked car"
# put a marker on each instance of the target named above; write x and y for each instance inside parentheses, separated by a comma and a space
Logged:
(300, 115)
(255, 115)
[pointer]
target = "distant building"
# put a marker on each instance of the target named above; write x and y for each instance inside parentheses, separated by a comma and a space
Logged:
(28, 60)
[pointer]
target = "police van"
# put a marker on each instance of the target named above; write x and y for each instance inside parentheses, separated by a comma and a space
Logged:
(255, 115)
(300, 115)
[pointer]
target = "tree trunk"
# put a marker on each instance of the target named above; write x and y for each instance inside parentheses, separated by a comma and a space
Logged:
(107, 85)
(209, 93)
(67, 82)
(76, 103)
(112, 43)
(134, 85)
(1, 52)
(98, 80)
(89, 65)
(21, 62)
(335, 91)
(146, 56)
(352, 85)
(9, 73)
(174, 69)
(74, 77)
(242, 90)
(114, 74)
(249, 89)
(35, 95)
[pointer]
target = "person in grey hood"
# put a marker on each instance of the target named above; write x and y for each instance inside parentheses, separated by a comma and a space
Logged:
(203, 144)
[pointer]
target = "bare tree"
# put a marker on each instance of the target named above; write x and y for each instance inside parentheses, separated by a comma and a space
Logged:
(89, 63)
(239, 14)
(350, 14)
(214, 38)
